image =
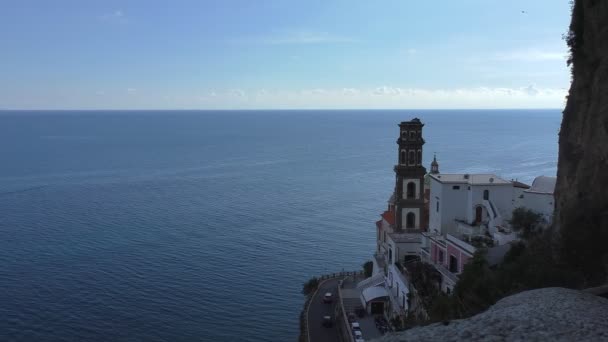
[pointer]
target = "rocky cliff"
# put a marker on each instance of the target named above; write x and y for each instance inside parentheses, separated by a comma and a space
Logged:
(550, 314)
(582, 176)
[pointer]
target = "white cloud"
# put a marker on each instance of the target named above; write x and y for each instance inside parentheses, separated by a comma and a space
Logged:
(350, 91)
(386, 90)
(531, 90)
(530, 55)
(384, 97)
(115, 16)
(237, 93)
(298, 37)
(392, 97)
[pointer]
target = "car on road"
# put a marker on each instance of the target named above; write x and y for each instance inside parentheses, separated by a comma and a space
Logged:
(328, 297)
(328, 322)
(355, 326)
(358, 336)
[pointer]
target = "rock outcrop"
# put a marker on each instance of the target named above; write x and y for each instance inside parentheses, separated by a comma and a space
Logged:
(550, 314)
(581, 213)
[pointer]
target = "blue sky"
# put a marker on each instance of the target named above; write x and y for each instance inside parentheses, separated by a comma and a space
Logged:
(283, 54)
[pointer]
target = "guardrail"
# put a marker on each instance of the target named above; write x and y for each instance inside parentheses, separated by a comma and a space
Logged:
(345, 325)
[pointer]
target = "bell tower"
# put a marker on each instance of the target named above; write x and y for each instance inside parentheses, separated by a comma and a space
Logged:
(434, 166)
(409, 172)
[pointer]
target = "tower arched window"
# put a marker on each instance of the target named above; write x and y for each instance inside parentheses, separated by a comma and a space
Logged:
(419, 157)
(486, 195)
(411, 190)
(410, 220)
(412, 158)
(402, 157)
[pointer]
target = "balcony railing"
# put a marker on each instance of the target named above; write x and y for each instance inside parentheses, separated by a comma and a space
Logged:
(443, 270)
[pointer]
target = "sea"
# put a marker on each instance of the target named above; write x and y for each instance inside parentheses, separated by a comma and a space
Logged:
(203, 225)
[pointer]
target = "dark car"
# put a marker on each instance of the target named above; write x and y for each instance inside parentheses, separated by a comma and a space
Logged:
(328, 321)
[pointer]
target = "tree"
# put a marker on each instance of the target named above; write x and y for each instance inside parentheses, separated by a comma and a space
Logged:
(368, 268)
(526, 222)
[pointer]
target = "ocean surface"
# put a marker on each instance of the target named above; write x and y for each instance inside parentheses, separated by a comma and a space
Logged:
(175, 226)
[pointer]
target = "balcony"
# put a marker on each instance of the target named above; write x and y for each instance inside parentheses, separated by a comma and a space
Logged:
(425, 254)
(444, 271)
(380, 261)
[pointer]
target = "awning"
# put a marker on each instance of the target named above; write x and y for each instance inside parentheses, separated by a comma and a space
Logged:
(374, 292)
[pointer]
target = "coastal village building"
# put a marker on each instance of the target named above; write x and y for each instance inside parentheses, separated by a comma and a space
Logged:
(471, 211)
(399, 230)
(441, 219)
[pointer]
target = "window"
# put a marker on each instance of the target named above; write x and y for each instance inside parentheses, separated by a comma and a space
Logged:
(390, 256)
(419, 157)
(486, 195)
(412, 160)
(412, 135)
(456, 187)
(478, 214)
(403, 294)
(402, 158)
(411, 190)
(453, 264)
(404, 135)
(437, 205)
(410, 220)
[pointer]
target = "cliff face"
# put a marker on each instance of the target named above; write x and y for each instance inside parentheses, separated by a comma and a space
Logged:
(550, 314)
(582, 176)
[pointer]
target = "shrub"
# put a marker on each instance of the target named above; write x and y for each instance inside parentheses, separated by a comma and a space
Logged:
(368, 268)
(310, 286)
(526, 222)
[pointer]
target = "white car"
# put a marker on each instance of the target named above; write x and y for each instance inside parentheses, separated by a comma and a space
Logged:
(355, 326)
(327, 298)
(358, 335)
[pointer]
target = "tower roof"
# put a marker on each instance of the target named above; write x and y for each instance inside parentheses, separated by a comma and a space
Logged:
(434, 165)
(413, 122)
(434, 162)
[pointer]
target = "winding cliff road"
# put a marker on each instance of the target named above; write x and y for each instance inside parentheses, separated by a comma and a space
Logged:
(317, 309)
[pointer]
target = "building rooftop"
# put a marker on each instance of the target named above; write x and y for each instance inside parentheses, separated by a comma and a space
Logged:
(543, 185)
(389, 217)
(471, 179)
(518, 184)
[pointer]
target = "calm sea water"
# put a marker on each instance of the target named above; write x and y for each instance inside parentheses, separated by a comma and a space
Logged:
(169, 226)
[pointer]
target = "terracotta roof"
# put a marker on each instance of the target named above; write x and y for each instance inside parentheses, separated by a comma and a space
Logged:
(389, 217)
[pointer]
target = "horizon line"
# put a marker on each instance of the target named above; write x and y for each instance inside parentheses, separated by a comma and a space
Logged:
(259, 109)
